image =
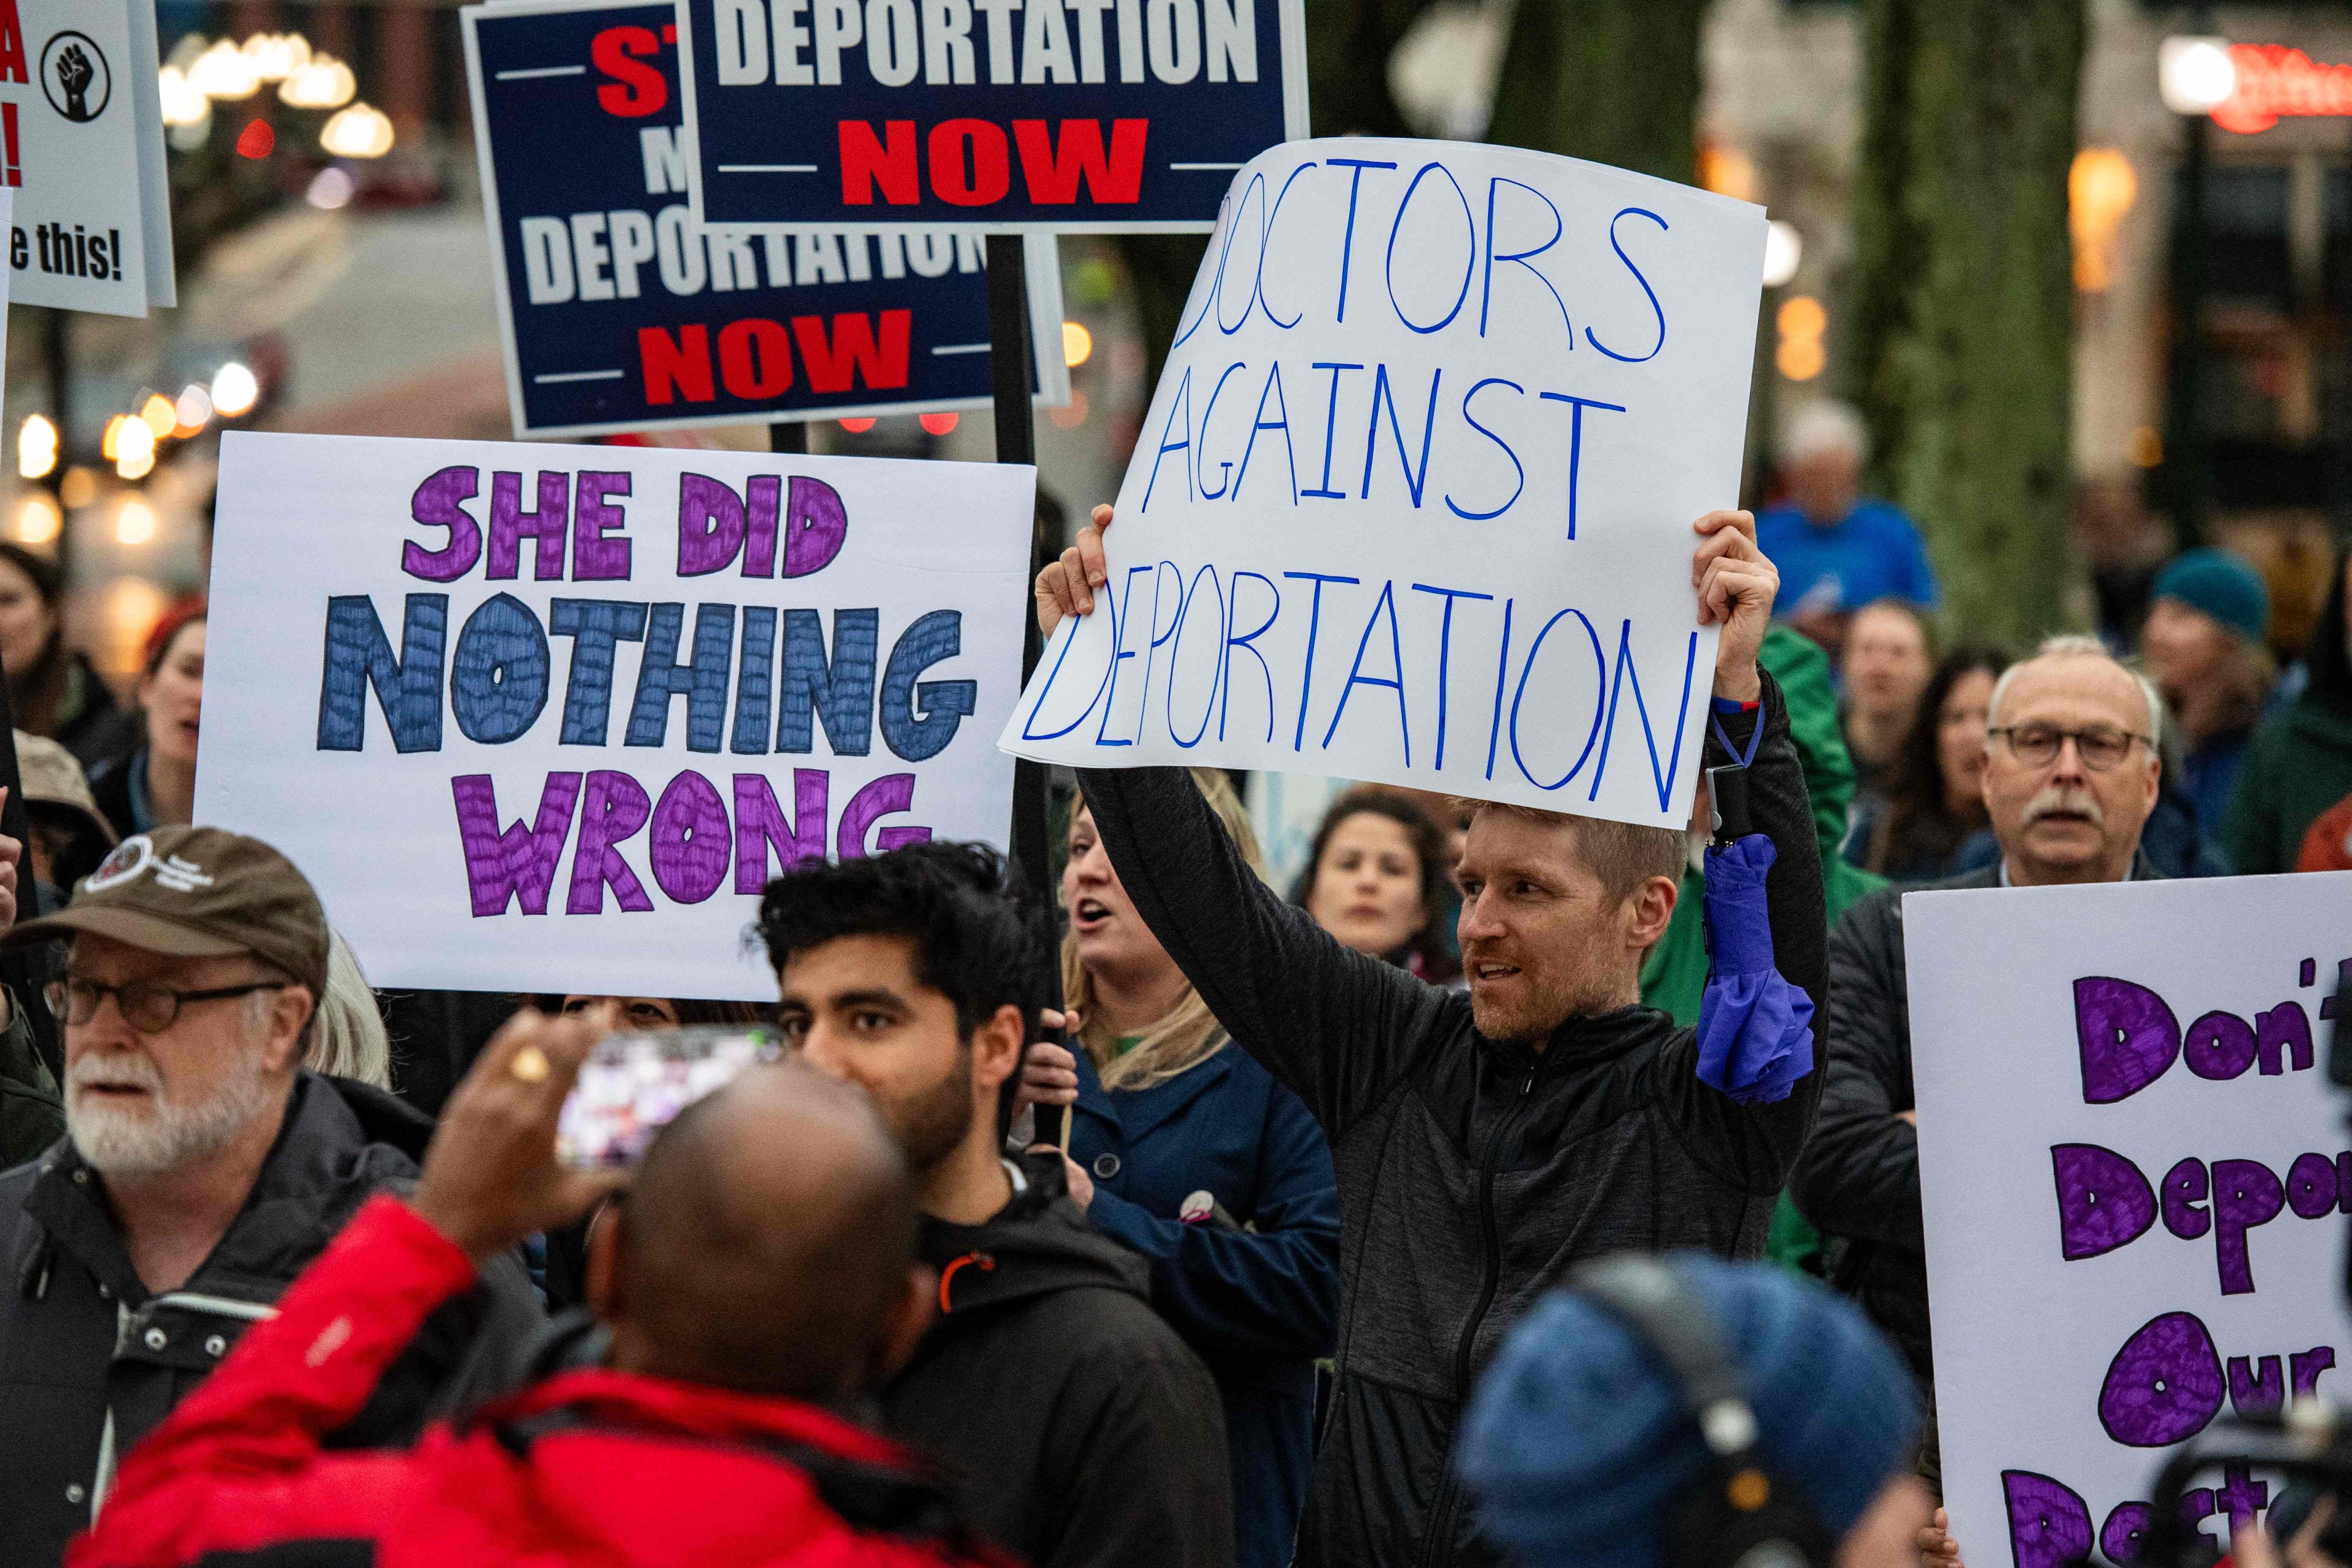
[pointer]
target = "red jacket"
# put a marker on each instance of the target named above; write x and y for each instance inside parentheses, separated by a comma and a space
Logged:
(603, 1468)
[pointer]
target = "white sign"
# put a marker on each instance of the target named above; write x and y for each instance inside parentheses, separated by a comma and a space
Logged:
(81, 142)
(2135, 1176)
(541, 717)
(1413, 500)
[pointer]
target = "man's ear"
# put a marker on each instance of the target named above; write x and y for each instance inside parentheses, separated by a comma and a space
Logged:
(605, 1295)
(904, 1322)
(996, 1047)
(289, 1009)
(1649, 911)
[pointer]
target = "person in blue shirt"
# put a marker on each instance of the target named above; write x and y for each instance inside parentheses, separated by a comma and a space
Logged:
(1186, 1151)
(1837, 549)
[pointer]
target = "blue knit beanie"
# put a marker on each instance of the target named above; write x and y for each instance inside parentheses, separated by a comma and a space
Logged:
(1578, 1438)
(2223, 586)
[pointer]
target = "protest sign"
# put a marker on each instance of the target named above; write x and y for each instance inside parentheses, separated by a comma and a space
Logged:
(1104, 116)
(1414, 498)
(618, 313)
(2135, 1176)
(91, 229)
(542, 718)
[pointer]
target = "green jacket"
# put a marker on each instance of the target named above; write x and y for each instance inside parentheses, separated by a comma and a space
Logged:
(1674, 975)
(2298, 765)
(32, 1117)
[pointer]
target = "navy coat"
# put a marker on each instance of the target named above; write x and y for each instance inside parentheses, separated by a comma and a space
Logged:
(1259, 1308)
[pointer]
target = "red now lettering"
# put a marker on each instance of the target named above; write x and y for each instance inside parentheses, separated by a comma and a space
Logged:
(672, 367)
(755, 358)
(854, 351)
(1054, 174)
(866, 163)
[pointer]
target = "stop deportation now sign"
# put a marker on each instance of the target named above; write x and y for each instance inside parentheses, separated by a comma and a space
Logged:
(1069, 116)
(2136, 1181)
(548, 718)
(1413, 501)
(619, 314)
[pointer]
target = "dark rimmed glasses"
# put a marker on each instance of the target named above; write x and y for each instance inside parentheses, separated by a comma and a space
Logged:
(2101, 746)
(147, 1007)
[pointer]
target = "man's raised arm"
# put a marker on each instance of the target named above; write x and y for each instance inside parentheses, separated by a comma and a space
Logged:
(1336, 1026)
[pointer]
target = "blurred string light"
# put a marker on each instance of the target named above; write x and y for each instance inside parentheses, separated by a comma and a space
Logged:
(937, 424)
(193, 412)
(184, 103)
(159, 415)
(1075, 414)
(331, 188)
(1077, 344)
(79, 487)
(857, 427)
(36, 447)
(131, 445)
(1726, 171)
(277, 56)
(325, 82)
(257, 140)
(1784, 249)
(2195, 74)
(135, 522)
(1801, 320)
(2100, 189)
(223, 73)
(358, 132)
(235, 390)
(39, 520)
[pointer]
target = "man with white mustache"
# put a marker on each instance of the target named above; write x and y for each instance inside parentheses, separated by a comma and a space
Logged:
(2070, 774)
(200, 1169)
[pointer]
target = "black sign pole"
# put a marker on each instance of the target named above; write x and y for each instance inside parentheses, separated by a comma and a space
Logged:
(1017, 442)
(788, 435)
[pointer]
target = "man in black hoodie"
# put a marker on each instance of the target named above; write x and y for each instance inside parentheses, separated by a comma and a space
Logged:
(1486, 1144)
(1081, 1429)
(202, 1170)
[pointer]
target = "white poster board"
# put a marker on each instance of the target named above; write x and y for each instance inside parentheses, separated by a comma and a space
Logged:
(83, 147)
(2134, 1180)
(1412, 502)
(544, 718)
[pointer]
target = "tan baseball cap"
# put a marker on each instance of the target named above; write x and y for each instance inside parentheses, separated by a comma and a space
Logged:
(197, 892)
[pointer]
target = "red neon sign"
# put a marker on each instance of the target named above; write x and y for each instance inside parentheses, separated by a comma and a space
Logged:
(2274, 81)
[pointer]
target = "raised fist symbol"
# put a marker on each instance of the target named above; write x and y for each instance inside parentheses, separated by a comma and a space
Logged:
(75, 75)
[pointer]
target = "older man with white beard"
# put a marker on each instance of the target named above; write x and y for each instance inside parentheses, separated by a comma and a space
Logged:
(2071, 772)
(200, 1169)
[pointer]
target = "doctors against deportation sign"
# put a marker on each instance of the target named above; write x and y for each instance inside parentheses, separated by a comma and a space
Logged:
(620, 314)
(1094, 115)
(547, 717)
(2136, 1181)
(1413, 501)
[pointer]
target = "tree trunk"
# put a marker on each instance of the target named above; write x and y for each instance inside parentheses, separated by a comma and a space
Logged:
(1348, 47)
(1609, 80)
(1962, 307)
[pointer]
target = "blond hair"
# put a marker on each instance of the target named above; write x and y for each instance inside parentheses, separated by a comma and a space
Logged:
(1189, 1034)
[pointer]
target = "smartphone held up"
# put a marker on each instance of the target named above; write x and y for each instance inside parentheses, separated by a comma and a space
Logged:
(633, 1085)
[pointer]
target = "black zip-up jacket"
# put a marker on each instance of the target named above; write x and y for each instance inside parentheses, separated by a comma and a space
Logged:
(1858, 1179)
(1473, 1172)
(90, 1361)
(1080, 1430)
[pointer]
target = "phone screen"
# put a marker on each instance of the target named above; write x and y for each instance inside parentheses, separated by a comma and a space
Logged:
(633, 1085)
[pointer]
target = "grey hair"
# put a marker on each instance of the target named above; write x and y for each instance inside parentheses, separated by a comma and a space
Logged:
(347, 1033)
(2076, 644)
(1824, 427)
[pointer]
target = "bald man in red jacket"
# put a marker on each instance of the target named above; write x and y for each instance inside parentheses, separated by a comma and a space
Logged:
(761, 1279)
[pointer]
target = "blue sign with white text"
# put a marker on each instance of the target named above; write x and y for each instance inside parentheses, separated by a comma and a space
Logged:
(1052, 116)
(621, 312)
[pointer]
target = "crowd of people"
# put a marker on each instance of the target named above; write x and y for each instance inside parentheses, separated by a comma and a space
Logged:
(1428, 1213)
